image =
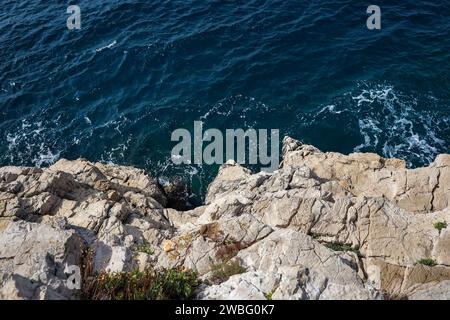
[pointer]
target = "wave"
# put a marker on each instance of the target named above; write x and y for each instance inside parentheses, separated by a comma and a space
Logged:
(30, 144)
(411, 126)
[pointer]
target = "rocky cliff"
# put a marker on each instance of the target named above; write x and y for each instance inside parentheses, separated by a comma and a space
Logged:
(323, 226)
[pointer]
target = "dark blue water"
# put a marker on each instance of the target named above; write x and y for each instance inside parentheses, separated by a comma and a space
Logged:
(137, 70)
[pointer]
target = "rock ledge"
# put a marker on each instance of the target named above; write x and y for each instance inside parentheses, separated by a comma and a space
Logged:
(323, 226)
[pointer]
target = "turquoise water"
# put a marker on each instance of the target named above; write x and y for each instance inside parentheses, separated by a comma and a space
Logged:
(137, 70)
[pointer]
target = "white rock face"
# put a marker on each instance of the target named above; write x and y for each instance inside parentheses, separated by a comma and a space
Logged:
(291, 265)
(33, 261)
(433, 291)
(323, 226)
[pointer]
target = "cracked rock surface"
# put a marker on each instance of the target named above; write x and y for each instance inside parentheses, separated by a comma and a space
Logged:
(323, 226)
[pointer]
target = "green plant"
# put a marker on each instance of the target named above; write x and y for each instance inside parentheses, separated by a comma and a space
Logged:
(145, 248)
(338, 246)
(163, 284)
(427, 262)
(268, 295)
(223, 271)
(440, 226)
(315, 236)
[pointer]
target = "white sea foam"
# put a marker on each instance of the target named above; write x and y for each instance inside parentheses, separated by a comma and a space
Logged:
(369, 129)
(109, 46)
(330, 109)
(45, 157)
(30, 143)
(392, 118)
(116, 154)
(88, 121)
(237, 104)
(390, 122)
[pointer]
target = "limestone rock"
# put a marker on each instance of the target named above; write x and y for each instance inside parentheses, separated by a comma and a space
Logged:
(442, 248)
(169, 245)
(322, 226)
(34, 259)
(298, 268)
(418, 190)
(111, 258)
(433, 291)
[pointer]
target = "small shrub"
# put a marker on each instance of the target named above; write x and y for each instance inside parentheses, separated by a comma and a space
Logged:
(440, 226)
(223, 271)
(315, 236)
(164, 284)
(145, 248)
(427, 262)
(87, 265)
(268, 295)
(337, 246)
